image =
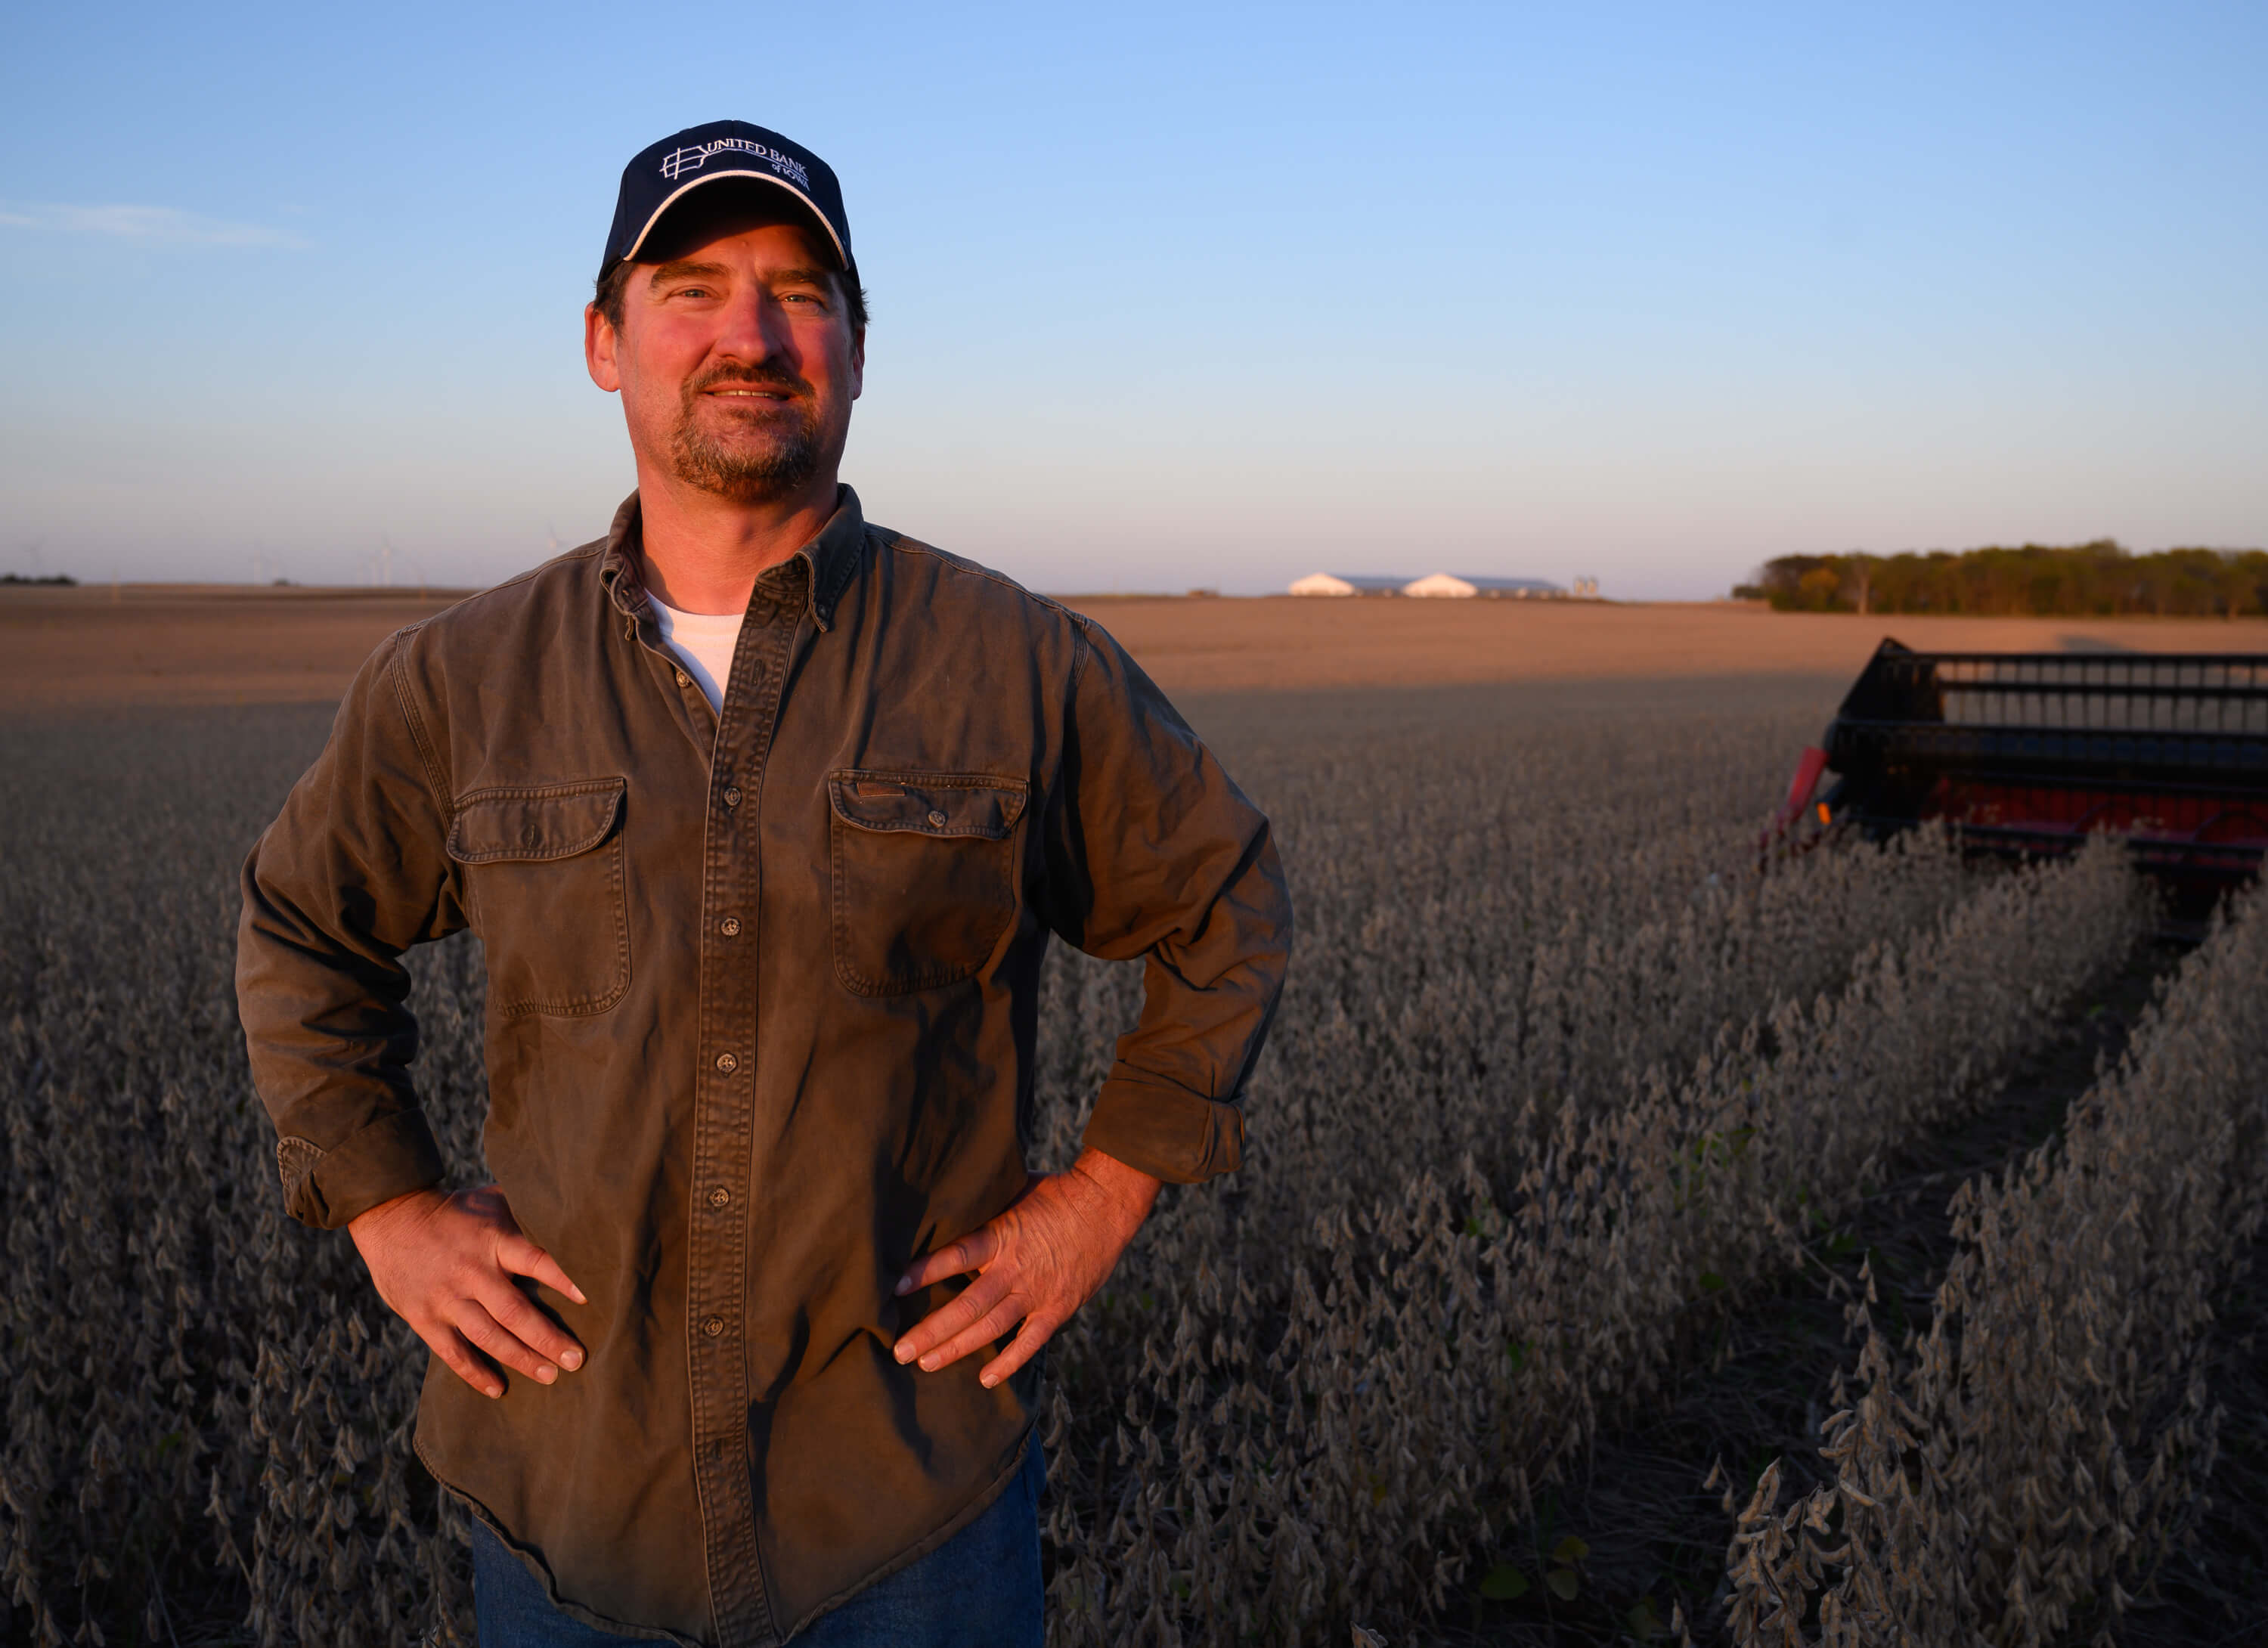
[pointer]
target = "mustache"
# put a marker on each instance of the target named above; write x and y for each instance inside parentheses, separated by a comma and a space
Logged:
(760, 375)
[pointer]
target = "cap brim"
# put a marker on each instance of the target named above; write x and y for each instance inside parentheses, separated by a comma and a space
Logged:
(841, 253)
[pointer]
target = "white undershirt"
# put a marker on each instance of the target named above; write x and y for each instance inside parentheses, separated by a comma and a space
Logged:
(704, 640)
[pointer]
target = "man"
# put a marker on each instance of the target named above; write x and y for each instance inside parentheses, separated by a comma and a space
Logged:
(763, 815)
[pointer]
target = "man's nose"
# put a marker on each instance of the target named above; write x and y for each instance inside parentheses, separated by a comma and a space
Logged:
(754, 326)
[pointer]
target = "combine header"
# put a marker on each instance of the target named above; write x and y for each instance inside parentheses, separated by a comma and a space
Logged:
(2028, 752)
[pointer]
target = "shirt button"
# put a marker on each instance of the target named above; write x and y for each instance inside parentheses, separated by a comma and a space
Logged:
(683, 680)
(730, 926)
(732, 795)
(714, 1326)
(719, 1197)
(937, 820)
(726, 1063)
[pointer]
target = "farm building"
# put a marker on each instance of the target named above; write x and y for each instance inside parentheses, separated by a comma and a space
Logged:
(1452, 586)
(1346, 584)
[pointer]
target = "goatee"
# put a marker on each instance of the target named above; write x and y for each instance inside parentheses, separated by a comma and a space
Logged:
(777, 462)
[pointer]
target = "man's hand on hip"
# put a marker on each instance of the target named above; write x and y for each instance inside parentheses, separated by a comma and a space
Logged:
(445, 1264)
(1036, 1264)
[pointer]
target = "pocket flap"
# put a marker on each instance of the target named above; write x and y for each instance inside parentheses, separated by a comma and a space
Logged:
(928, 803)
(535, 821)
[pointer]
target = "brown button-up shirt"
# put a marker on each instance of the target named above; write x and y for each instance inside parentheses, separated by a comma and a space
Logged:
(762, 985)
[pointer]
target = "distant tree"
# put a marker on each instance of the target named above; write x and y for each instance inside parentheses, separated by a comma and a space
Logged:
(1857, 576)
(1815, 590)
(62, 579)
(2097, 579)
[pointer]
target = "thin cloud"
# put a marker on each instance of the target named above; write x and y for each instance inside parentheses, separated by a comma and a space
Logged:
(150, 225)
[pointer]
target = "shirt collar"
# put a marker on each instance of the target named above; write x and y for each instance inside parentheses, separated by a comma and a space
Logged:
(832, 559)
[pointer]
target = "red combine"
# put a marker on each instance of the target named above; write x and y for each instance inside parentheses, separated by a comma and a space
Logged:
(2028, 752)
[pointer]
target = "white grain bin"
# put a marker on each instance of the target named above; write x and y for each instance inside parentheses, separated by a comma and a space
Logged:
(1451, 586)
(1345, 583)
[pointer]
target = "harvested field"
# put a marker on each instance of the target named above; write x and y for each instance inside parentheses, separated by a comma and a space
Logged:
(228, 644)
(165, 644)
(1280, 642)
(1574, 1127)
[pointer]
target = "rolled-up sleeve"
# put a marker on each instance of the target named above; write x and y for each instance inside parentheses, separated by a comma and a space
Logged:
(352, 873)
(1152, 851)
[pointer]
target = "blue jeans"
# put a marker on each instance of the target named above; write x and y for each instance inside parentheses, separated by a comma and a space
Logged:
(980, 1589)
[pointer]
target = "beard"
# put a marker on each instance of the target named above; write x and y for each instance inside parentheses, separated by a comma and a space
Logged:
(766, 452)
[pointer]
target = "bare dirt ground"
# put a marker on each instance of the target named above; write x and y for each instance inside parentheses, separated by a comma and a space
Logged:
(141, 644)
(1284, 642)
(94, 648)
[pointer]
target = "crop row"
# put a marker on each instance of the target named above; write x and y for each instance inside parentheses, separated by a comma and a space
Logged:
(1345, 1422)
(2017, 1472)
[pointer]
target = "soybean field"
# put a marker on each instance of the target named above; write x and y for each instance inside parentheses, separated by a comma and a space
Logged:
(1641, 1238)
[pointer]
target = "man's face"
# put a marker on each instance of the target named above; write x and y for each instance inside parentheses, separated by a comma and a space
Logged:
(735, 360)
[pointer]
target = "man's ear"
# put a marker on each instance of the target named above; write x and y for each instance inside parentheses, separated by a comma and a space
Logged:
(858, 363)
(599, 341)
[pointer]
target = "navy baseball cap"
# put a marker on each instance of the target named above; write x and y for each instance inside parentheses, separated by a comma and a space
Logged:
(664, 173)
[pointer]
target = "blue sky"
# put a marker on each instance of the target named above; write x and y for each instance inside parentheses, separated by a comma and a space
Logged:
(1167, 296)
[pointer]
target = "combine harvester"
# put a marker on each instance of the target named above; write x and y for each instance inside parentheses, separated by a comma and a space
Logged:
(2027, 753)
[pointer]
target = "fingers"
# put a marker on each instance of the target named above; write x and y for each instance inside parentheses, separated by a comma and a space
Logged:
(972, 1252)
(449, 1265)
(993, 1326)
(522, 1257)
(461, 1359)
(524, 1339)
(473, 1320)
(1036, 1332)
(951, 1318)
(1036, 1263)
(519, 1316)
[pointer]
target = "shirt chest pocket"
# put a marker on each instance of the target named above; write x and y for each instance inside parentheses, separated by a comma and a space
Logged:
(544, 878)
(924, 871)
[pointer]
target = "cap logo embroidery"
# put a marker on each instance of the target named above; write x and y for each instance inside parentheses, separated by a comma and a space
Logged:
(692, 159)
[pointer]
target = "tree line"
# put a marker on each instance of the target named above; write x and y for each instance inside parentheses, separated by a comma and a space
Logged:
(2098, 579)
